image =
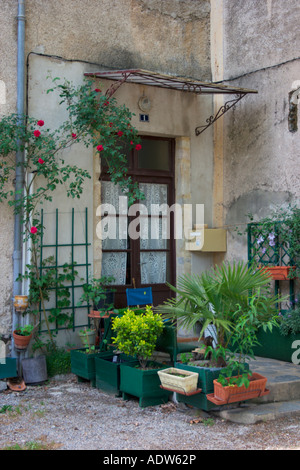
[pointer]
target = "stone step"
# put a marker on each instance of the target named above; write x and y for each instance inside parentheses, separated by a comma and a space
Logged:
(283, 379)
(283, 399)
(251, 413)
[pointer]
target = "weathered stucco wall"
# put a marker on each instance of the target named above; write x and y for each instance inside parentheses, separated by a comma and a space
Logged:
(261, 155)
(170, 36)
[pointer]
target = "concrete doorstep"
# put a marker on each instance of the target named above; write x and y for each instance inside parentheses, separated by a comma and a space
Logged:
(283, 399)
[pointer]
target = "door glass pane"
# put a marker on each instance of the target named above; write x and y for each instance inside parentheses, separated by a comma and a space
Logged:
(114, 264)
(154, 227)
(154, 155)
(153, 267)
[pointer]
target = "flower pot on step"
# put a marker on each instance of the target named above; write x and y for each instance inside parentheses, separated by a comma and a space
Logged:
(232, 393)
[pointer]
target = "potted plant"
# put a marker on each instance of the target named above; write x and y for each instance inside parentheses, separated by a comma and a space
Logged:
(22, 336)
(97, 293)
(87, 337)
(136, 336)
(211, 300)
(274, 242)
(236, 382)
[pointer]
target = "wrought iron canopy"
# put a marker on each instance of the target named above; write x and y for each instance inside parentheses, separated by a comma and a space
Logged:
(145, 77)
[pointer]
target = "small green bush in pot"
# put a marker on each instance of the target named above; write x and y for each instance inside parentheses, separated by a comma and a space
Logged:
(136, 334)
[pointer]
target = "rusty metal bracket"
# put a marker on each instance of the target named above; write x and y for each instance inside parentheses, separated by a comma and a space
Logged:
(212, 119)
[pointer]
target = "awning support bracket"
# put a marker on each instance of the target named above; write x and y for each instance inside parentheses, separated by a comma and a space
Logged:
(212, 119)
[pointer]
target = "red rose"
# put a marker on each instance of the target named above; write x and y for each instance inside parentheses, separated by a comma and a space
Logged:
(41, 161)
(120, 133)
(33, 230)
(36, 133)
(97, 90)
(138, 147)
(110, 124)
(40, 122)
(106, 103)
(74, 136)
(131, 143)
(100, 148)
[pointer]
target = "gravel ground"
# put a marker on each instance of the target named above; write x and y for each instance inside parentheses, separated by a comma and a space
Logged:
(66, 415)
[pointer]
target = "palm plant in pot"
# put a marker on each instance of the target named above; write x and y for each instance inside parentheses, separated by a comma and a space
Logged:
(213, 298)
(236, 382)
(136, 336)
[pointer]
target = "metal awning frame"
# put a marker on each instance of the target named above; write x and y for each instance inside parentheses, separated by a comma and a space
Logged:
(144, 77)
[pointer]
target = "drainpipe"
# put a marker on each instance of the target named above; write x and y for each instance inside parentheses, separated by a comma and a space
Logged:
(19, 179)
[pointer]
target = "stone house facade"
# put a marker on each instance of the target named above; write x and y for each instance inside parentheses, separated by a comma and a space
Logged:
(247, 161)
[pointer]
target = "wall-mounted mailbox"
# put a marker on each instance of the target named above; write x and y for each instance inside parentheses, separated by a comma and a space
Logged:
(207, 240)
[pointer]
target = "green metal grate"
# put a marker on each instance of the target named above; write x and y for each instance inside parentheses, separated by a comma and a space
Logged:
(74, 286)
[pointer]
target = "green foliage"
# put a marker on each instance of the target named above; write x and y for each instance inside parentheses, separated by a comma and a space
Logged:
(43, 282)
(275, 239)
(214, 296)
(95, 290)
(136, 334)
(290, 322)
(242, 340)
(186, 357)
(85, 338)
(25, 330)
(58, 360)
(93, 119)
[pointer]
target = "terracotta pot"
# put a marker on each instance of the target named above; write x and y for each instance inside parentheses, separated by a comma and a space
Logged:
(21, 342)
(230, 394)
(279, 273)
(20, 302)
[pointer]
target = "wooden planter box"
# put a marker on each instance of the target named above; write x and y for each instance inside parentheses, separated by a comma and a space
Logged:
(232, 394)
(274, 345)
(206, 375)
(108, 371)
(179, 380)
(143, 384)
(83, 365)
(8, 367)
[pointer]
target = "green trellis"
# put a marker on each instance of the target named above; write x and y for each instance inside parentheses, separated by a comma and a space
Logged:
(73, 285)
(269, 250)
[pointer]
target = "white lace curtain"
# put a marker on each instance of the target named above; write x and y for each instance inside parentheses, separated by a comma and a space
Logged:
(153, 230)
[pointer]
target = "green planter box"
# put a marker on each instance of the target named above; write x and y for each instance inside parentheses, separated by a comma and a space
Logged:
(8, 367)
(143, 384)
(197, 401)
(206, 375)
(274, 345)
(108, 371)
(83, 365)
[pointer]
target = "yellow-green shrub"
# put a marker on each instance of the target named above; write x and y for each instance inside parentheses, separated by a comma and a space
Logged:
(136, 334)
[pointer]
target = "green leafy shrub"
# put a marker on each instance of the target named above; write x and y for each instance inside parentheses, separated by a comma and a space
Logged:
(290, 322)
(136, 334)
